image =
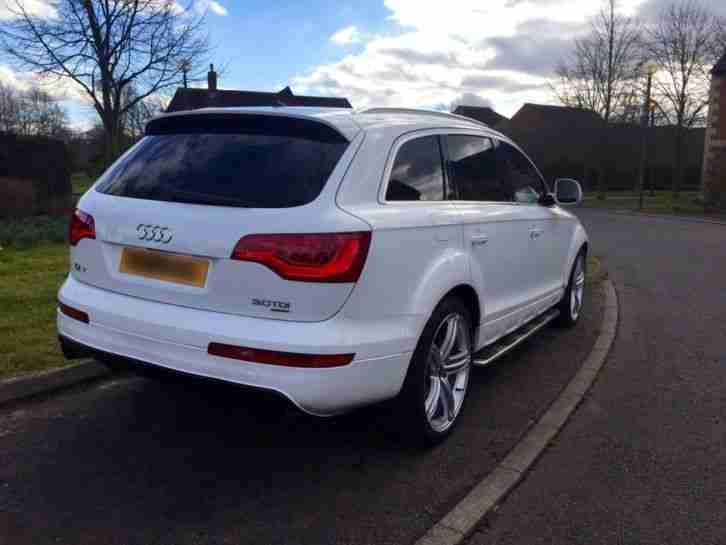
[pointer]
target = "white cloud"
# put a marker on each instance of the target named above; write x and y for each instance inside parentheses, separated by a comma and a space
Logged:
(346, 36)
(200, 7)
(217, 8)
(41, 8)
(58, 88)
(502, 52)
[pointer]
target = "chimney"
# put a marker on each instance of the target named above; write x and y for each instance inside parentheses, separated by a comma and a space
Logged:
(212, 78)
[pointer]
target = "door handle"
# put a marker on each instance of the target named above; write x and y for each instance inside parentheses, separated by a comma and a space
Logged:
(534, 234)
(479, 240)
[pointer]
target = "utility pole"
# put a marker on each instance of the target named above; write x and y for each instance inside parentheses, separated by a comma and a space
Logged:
(649, 68)
(651, 131)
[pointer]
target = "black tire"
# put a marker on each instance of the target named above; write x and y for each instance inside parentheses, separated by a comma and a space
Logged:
(411, 401)
(569, 316)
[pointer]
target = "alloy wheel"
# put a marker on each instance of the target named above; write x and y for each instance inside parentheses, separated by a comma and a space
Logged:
(578, 288)
(449, 368)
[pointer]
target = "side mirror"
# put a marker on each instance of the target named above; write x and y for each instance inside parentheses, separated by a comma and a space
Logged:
(568, 192)
(548, 199)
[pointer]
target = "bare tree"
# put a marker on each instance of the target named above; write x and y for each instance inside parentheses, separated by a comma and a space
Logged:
(41, 115)
(719, 40)
(136, 117)
(599, 72)
(31, 113)
(682, 43)
(9, 109)
(107, 46)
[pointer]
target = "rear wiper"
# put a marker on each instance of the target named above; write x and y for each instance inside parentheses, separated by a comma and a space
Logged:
(200, 198)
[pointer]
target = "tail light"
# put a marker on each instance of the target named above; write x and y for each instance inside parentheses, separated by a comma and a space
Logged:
(73, 313)
(322, 257)
(286, 359)
(81, 226)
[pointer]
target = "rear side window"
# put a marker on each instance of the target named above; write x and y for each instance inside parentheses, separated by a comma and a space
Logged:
(417, 174)
(474, 170)
(526, 182)
(246, 161)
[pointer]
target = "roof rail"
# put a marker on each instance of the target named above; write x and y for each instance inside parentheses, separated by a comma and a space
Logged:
(413, 111)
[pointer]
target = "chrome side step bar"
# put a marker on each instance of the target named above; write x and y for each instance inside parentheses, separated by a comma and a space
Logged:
(488, 354)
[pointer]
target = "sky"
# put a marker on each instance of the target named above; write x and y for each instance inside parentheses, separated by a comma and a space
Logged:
(407, 53)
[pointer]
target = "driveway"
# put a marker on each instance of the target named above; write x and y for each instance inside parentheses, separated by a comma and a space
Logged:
(643, 460)
(136, 461)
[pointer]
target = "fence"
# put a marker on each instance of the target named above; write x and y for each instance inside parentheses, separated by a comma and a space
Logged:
(584, 154)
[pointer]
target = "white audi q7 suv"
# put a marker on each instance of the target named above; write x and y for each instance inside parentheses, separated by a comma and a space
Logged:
(336, 257)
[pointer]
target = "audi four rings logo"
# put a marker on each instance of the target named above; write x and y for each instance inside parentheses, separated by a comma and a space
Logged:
(154, 233)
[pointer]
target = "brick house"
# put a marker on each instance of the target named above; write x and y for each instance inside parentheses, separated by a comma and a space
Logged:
(212, 97)
(544, 116)
(714, 157)
(484, 114)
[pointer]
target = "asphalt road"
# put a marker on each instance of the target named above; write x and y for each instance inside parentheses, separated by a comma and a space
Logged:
(643, 460)
(136, 461)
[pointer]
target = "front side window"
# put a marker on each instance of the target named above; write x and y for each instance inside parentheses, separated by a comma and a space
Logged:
(417, 174)
(526, 182)
(474, 171)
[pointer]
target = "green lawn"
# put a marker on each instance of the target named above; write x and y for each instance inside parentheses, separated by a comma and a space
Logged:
(81, 182)
(661, 203)
(29, 282)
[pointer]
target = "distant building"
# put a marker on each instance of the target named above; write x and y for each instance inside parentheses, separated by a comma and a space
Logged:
(484, 114)
(212, 97)
(714, 156)
(540, 116)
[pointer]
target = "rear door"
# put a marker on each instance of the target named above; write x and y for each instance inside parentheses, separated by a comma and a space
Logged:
(170, 213)
(495, 229)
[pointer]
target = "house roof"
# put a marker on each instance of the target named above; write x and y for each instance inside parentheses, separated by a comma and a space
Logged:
(540, 116)
(720, 68)
(484, 114)
(194, 99)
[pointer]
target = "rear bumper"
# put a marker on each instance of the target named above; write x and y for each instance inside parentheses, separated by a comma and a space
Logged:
(176, 338)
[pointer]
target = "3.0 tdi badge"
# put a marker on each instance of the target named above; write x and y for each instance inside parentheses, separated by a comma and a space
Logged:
(274, 306)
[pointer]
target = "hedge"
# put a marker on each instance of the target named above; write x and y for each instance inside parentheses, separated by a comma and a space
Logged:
(35, 176)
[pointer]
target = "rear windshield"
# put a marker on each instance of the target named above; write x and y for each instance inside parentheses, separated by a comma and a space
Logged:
(246, 161)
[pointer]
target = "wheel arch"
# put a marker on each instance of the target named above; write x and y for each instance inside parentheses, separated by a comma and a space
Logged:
(470, 298)
(578, 243)
(467, 294)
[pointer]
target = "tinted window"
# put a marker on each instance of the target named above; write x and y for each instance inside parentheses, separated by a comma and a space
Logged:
(250, 163)
(417, 174)
(474, 171)
(523, 177)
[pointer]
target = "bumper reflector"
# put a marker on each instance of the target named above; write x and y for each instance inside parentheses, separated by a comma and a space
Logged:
(285, 359)
(73, 313)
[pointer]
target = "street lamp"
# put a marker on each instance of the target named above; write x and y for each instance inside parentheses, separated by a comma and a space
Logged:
(649, 68)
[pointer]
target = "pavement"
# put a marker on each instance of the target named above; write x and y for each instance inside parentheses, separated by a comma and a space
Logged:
(643, 458)
(137, 461)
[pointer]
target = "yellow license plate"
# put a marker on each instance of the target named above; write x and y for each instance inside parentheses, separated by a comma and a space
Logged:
(175, 268)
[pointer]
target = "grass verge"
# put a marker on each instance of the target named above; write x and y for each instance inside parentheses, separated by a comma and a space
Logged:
(661, 202)
(595, 271)
(29, 282)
